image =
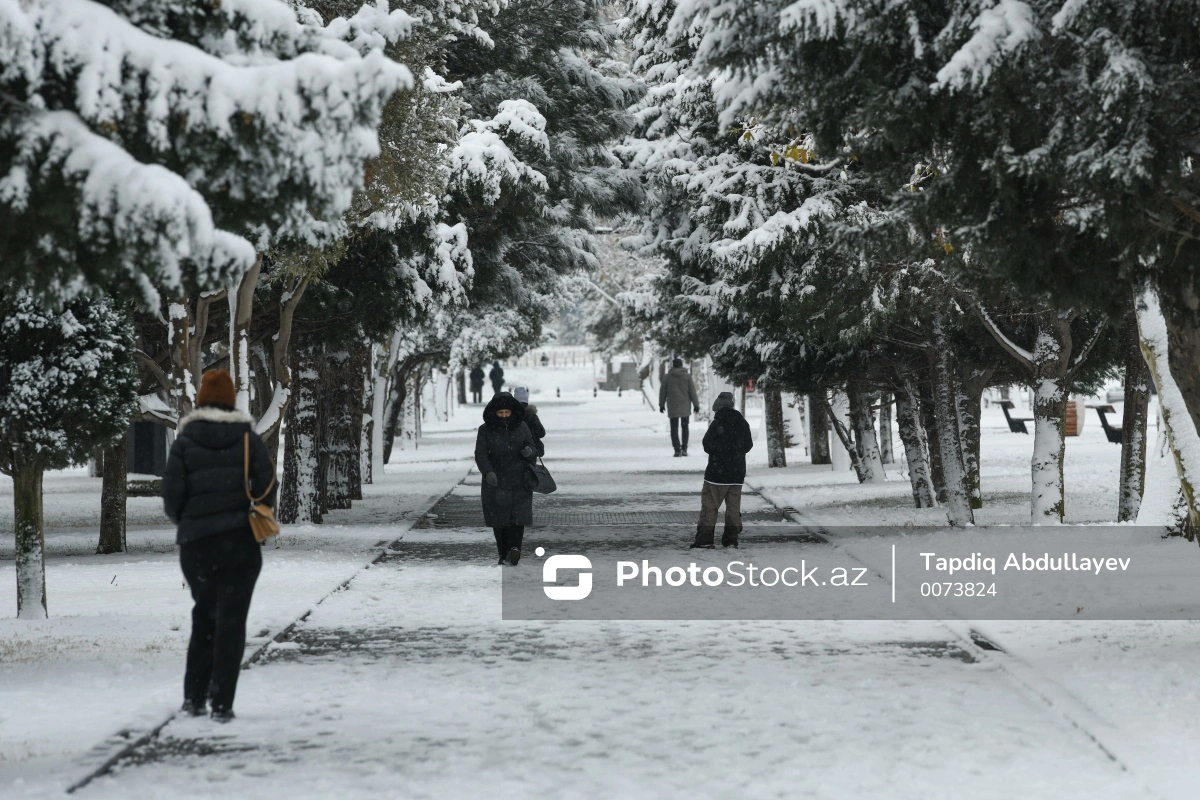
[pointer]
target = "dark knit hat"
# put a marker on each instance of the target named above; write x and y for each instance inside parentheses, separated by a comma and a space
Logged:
(724, 400)
(677, 362)
(216, 389)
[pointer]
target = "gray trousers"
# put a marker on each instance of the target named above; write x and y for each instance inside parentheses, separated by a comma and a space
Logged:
(711, 498)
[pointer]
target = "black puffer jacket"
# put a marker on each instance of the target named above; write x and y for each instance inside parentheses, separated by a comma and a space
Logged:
(498, 449)
(204, 491)
(727, 441)
(535, 427)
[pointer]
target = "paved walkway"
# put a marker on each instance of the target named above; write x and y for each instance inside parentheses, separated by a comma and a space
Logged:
(409, 684)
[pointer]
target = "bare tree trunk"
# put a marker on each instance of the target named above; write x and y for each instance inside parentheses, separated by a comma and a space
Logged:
(360, 353)
(1051, 357)
(1133, 424)
(241, 309)
(300, 499)
(818, 428)
(30, 542)
(969, 407)
(462, 387)
(930, 424)
(268, 424)
(367, 424)
(916, 448)
(773, 400)
(1158, 343)
(338, 403)
(958, 505)
(885, 429)
(844, 436)
(113, 495)
(866, 444)
(182, 378)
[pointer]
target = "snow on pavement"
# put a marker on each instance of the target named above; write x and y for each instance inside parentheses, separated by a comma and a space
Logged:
(409, 684)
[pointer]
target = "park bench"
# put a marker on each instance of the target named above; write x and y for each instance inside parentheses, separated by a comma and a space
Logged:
(1113, 432)
(1015, 424)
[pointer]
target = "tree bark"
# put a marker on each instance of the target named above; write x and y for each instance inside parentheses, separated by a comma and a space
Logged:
(241, 310)
(462, 387)
(1133, 424)
(30, 542)
(930, 424)
(367, 434)
(886, 455)
(300, 499)
(844, 437)
(916, 448)
(969, 408)
(268, 424)
(773, 400)
(178, 340)
(1182, 438)
(866, 444)
(1051, 356)
(339, 447)
(818, 429)
(958, 505)
(113, 497)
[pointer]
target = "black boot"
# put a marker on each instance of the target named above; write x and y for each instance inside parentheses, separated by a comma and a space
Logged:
(678, 452)
(685, 449)
(514, 555)
(195, 708)
(222, 715)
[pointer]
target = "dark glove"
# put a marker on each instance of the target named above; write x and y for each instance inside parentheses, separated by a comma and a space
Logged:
(492, 480)
(662, 410)
(696, 410)
(527, 451)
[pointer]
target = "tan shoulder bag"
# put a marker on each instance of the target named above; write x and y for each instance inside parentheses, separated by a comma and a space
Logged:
(262, 516)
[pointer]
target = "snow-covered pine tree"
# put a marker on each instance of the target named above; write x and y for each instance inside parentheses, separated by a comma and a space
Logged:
(142, 143)
(67, 385)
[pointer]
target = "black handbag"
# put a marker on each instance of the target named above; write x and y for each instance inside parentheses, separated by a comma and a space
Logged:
(545, 481)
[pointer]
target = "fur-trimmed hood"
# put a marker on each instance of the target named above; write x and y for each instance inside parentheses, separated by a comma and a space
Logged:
(503, 400)
(213, 414)
(530, 410)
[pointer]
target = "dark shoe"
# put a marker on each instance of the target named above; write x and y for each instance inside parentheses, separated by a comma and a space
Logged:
(678, 452)
(194, 708)
(222, 715)
(685, 451)
(732, 544)
(501, 561)
(694, 546)
(514, 555)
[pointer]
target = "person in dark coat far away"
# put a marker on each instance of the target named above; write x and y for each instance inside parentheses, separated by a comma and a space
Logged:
(504, 454)
(204, 494)
(531, 419)
(675, 396)
(727, 441)
(477, 378)
(496, 376)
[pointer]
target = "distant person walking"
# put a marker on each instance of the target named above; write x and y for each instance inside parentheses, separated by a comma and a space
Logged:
(204, 494)
(496, 376)
(531, 419)
(477, 379)
(676, 398)
(727, 441)
(504, 454)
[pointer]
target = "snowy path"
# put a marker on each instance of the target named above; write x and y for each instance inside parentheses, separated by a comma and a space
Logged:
(409, 684)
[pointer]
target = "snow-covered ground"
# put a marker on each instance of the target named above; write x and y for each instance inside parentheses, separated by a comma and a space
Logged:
(408, 683)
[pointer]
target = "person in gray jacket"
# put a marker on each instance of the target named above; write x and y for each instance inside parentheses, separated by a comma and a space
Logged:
(675, 396)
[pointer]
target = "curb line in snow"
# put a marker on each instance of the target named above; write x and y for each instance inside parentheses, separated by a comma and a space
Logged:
(1044, 690)
(147, 737)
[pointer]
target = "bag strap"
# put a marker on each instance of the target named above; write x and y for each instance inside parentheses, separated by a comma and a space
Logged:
(246, 472)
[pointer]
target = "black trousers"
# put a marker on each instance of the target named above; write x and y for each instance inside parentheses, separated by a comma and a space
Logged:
(477, 395)
(676, 424)
(221, 571)
(508, 537)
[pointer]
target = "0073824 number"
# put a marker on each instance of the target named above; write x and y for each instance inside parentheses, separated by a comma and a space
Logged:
(958, 589)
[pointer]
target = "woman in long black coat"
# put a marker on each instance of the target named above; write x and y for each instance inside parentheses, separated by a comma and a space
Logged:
(505, 454)
(204, 494)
